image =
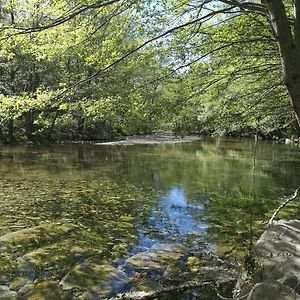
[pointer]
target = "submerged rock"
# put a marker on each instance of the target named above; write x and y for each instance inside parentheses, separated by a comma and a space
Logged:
(158, 257)
(18, 283)
(94, 274)
(167, 247)
(36, 235)
(54, 258)
(175, 271)
(147, 261)
(147, 285)
(25, 289)
(194, 261)
(46, 290)
(6, 293)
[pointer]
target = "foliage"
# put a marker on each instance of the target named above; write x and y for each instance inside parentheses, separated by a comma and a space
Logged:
(85, 70)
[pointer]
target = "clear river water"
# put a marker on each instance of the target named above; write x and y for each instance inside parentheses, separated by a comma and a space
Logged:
(127, 206)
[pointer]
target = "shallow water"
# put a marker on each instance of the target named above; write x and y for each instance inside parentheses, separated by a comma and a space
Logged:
(210, 195)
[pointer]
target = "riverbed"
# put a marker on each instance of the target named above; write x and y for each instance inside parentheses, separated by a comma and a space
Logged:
(138, 217)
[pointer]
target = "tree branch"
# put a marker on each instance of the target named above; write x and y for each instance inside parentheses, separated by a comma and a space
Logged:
(149, 41)
(62, 19)
(205, 55)
(254, 7)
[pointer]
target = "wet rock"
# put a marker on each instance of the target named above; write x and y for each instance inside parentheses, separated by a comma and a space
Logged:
(46, 290)
(292, 281)
(53, 258)
(89, 295)
(36, 235)
(158, 257)
(25, 289)
(18, 283)
(194, 261)
(277, 254)
(6, 293)
(147, 261)
(95, 274)
(174, 271)
(272, 289)
(148, 285)
(278, 250)
(166, 247)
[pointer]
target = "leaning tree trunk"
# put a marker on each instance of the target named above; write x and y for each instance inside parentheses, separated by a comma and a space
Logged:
(289, 47)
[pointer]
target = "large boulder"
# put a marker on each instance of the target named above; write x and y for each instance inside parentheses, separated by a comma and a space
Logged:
(277, 253)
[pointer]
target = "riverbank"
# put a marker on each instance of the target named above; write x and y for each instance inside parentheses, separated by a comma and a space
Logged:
(164, 138)
(152, 139)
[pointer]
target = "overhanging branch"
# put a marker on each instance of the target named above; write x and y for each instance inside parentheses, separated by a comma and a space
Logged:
(144, 44)
(62, 19)
(250, 6)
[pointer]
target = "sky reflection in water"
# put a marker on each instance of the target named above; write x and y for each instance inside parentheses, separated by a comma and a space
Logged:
(174, 219)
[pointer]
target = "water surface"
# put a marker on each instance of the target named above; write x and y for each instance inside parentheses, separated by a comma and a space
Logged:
(208, 195)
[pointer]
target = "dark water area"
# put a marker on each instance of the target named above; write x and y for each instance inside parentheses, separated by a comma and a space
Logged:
(63, 205)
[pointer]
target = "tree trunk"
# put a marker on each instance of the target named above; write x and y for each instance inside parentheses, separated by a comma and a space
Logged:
(289, 48)
(80, 126)
(10, 126)
(29, 124)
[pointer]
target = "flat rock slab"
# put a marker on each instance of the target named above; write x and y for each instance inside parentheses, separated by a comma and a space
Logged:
(278, 253)
(36, 235)
(97, 275)
(158, 257)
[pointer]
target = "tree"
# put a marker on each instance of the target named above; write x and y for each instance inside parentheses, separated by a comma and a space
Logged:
(184, 38)
(283, 19)
(286, 30)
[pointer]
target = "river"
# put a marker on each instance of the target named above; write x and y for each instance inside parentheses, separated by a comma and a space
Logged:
(65, 205)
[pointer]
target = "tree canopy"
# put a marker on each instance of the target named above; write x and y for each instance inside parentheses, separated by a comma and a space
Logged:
(90, 69)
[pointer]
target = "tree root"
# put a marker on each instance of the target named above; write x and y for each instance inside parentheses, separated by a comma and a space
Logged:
(283, 205)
